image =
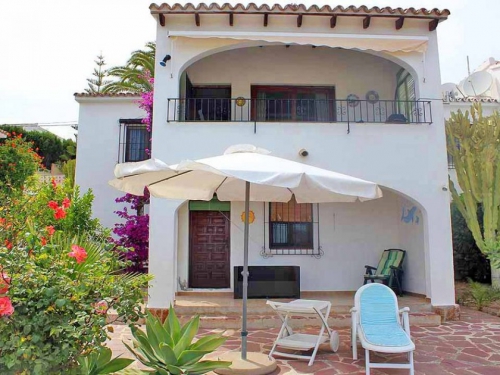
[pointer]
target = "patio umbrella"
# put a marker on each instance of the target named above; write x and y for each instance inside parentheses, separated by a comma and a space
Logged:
(243, 173)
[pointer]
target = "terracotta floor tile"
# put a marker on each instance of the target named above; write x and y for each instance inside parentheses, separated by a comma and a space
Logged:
(467, 347)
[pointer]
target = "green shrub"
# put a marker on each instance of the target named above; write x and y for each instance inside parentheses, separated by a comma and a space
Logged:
(469, 261)
(68, 168)
(18, 161)
(481, 295)
(168, 348)
(61, 288)
(50, 147)
(47, 204)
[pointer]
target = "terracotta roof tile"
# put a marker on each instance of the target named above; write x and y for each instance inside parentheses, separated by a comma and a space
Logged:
(298, 8)
(474, 100)
(118, 95)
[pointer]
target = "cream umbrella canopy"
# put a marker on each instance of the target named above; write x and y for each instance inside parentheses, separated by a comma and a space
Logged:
(243, 173)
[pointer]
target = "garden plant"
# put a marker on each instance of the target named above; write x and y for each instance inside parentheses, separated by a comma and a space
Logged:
(59, 275)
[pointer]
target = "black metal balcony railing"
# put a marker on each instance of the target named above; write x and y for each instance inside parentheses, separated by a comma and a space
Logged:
(299, 110)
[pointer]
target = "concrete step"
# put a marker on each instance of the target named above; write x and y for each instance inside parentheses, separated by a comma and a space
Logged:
(423, 319)
(233, 321)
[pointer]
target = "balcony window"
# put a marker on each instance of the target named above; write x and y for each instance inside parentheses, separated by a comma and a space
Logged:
(290, 225)
(405, 94)
(293, 103)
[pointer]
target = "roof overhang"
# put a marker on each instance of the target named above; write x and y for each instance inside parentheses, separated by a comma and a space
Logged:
(119, 97)
(385, 43)
(434, 16)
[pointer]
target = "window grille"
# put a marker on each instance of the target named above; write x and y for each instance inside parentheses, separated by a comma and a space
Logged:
(134, 141)
(292, 229)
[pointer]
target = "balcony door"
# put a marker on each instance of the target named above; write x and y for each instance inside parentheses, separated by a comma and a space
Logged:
(208, 103)
(293, 103)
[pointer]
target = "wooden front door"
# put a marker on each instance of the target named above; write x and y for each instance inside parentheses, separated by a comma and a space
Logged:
(209, 265)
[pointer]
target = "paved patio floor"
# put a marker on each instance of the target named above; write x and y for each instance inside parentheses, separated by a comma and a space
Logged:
(467, 347)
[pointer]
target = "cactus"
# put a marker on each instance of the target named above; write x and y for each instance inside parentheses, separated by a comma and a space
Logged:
(473, 140)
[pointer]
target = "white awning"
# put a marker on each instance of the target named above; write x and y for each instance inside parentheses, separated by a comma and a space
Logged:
(387, 43)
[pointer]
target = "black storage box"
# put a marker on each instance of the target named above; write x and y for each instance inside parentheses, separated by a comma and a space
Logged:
(268, 282)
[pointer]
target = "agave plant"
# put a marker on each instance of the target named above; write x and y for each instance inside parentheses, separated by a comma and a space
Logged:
(168, 348)
(100, 363)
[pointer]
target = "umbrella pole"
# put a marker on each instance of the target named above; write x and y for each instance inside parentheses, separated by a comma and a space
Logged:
(244, 332)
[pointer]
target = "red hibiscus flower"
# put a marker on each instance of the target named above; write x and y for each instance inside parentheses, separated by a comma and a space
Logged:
(4, 283)
(66, 203)
(8, 244)
(59, 213)
(6, 307)
(78, 253)
(50, 230)
(53, 182)
(44, 241)
(53, 205)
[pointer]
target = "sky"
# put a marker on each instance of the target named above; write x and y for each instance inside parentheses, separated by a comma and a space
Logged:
(48, 48)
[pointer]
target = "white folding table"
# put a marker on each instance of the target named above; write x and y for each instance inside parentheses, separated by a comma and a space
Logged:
(300, 341)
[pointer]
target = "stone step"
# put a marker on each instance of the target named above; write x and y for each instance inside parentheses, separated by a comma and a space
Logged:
(423, 319)
(263, 309)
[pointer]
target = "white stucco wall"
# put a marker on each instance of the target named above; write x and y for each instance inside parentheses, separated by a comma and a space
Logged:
(97, 151)
(351, 236)
(411, 238)
(351, 72)
(410, 159)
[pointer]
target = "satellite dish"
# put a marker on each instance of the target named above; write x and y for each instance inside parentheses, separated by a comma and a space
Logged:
(477, 83)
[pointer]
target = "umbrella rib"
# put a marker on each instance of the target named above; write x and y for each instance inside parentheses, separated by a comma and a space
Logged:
(168, 178)
(224, 180)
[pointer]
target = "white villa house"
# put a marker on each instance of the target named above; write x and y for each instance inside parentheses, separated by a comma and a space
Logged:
(355, 90)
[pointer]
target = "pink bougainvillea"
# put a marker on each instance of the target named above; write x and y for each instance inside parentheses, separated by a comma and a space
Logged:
(101, 307)
(134, 232)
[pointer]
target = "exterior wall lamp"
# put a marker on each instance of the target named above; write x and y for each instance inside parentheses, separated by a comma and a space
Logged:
(165, 59)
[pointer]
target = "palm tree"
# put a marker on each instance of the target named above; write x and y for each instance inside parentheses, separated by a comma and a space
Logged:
(134, 76)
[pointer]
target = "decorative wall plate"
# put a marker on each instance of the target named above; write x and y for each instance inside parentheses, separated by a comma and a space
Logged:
(251, 215)
(352, 100)
(372, 97)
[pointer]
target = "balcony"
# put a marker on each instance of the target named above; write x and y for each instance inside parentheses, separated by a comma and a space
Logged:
(304, 110)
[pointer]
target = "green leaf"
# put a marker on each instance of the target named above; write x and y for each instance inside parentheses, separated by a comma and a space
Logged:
(143, 343)
(189, 331)
(174, 370)
(167, 354)
(114, 365)
(104, 356)
(172, 325)
(208, 343)
(60, 302)
(191, 356)
(138, 356)
(206, 366)
(151, 331)
(162, 334)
